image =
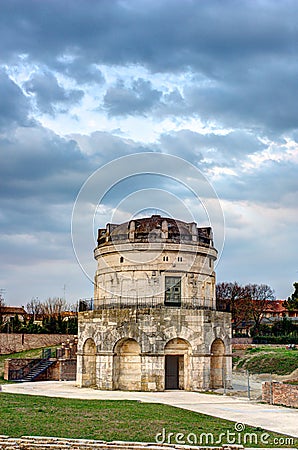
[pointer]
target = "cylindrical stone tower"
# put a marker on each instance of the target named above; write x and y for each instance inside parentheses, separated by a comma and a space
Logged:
(153, 324)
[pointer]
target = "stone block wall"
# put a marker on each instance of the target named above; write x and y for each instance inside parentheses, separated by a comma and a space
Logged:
(14, 364)
(67, 369)
(51, 443)
(245, 340)
(277, 393)
(15, 342)
(140, 338)
(61, 370)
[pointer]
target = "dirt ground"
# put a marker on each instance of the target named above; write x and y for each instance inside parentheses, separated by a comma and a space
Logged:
(241, 383)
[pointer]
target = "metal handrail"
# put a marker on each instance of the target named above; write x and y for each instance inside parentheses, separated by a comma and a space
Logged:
(91, 304)
(145, 237)
(19, 374)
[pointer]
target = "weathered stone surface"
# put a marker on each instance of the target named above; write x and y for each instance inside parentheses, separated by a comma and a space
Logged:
(63, 368)
(278, 393)
(125, 346)
(154, 325)
(16, 342)
(53, 443)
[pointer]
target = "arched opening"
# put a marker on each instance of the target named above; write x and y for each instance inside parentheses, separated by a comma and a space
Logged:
(217, 364)
(177, 364)
(89, 363)
(127, 365)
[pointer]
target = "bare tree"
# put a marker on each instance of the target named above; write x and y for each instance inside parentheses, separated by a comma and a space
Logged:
(231, 297)
(34, 307)
(258, 297)
(246, 303)
(226, 295)
(54, 306)
(73, 307)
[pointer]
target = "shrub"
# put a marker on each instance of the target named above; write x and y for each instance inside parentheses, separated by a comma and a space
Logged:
(275, 339)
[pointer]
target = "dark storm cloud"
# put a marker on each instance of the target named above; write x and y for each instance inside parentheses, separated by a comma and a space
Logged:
(49, 94)
(81, 71)
(35, 162)
(164, 35)
(102, 146)
(266, 97)
(273, 184)
(219, 150)
(225, 63)
(270, 182)
(140, 98)
(35, 214)
(246, 52)
(14, 106)
(42, 173)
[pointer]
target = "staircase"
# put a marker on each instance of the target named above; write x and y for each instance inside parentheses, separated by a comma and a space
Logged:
(38, 369)
(29, 369)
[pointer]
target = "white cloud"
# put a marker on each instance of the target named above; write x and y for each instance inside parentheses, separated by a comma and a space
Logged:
(122, 78)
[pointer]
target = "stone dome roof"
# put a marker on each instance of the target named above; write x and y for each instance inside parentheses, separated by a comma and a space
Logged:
(154, 223)
(156, 228)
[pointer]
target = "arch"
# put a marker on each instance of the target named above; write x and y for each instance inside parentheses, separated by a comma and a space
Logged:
(217, 364)
(121, 334)
(177, 345)
(89, 363)
(177, 364)
(186, 334)
(127, 365)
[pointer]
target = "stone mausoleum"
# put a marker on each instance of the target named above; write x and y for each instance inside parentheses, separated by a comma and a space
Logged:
(153, 324)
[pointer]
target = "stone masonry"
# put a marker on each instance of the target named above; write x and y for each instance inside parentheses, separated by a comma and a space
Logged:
(278, 393)
(52, 443)
(158, 332)
(153, 323)
(17, 342)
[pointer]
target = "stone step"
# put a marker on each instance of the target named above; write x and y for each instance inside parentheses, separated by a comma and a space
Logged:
(53, 443)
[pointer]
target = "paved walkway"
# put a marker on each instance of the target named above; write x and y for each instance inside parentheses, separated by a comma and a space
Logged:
(272, 418)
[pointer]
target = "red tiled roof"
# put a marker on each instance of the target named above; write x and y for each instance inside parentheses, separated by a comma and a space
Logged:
(12, 310)
(276, 306)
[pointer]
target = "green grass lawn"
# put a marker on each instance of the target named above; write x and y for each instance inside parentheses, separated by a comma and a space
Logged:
(110, 420)
(267, 359)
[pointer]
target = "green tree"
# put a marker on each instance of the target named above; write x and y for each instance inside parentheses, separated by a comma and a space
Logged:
(16, 324)
(284, 327)
(2, 305)
(71, 325)
(292, 302)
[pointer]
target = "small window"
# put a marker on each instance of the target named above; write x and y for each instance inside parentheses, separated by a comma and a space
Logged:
(166, 258)
(173, 291)
(121, 259)
(210, 263)
(179, 258)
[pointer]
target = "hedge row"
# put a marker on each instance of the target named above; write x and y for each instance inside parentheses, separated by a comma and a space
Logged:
(275, 340)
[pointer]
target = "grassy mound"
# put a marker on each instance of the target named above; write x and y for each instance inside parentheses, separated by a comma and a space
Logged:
(267, 359)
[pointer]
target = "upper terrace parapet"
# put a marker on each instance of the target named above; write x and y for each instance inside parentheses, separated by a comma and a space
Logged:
(155, 229)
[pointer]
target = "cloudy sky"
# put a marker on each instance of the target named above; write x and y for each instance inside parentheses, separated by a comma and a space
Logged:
(83, 83)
